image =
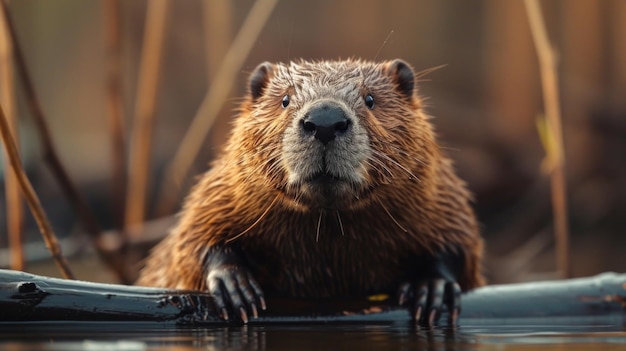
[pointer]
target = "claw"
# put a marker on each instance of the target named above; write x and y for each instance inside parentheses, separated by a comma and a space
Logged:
(262, 301)
(233, 288)
(454, 317)
(418, 313)
(435, 299)
(429, 298)
(243, 314)
(257, 292)
(249, 292)
(255, 313)
(453, 301)
(403, 293)
(421, 300)
(215, 288)
(432, 317)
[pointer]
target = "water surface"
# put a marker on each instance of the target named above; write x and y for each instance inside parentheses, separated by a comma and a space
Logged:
(398, 336)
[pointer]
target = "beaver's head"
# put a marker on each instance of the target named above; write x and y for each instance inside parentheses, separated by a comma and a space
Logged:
(333, 133)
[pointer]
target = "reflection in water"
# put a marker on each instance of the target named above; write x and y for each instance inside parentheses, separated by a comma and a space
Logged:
(77, 336)
(324, 338)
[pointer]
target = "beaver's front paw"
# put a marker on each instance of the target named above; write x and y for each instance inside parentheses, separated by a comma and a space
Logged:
(427, 299)
(234, 289)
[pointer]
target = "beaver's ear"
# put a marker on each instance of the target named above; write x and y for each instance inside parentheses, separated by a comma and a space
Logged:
(258, 79)
(403, 76)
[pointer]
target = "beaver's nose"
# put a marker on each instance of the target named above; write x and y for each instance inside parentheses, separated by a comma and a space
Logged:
(325, 122)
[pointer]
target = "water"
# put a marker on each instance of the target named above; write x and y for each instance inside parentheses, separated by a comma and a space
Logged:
(579, 314)
(402, 336)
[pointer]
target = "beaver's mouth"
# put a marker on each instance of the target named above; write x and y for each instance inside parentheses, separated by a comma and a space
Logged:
(323, 178)
(327, 190)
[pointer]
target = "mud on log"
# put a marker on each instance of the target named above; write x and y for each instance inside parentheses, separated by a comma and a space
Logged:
(28, 298)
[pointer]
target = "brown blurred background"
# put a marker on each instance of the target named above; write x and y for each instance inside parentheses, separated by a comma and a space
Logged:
(485, 101)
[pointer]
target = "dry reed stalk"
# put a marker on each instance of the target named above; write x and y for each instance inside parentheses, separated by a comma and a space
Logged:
(217, 36)
(141, 134)
(218, 15)
(549, 80)
(48, 150)
(218, 92)
(15, 211)
(31, 198)
(115, 258)
(49, 153)
(115, 108)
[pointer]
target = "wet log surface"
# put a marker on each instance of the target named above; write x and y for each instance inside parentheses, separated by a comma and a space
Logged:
(29, 299)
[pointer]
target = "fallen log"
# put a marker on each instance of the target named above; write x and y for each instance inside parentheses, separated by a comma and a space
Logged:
(27, 298)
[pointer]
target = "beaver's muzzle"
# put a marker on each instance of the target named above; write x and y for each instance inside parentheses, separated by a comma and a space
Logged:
(325, 121)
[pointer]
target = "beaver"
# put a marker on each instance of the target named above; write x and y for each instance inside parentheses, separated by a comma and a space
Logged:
(331, 185)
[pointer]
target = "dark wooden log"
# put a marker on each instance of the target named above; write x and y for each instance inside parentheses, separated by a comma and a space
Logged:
(28, 298)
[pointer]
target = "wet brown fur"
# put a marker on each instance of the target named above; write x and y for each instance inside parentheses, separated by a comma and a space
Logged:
(412, 205)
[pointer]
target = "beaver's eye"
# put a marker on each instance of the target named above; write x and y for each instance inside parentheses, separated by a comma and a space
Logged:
(369, 101)
(285, 101)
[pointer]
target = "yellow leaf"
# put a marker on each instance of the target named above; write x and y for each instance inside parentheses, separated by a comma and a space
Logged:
(378, 297)
(550, 146)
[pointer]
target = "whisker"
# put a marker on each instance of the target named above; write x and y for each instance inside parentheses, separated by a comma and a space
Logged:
(411, 175)
(427, 71)
(270, 164)
(252, 173)
(264, 150)
(402, 152)
(274, 167)
(319, 224)
(267, 210)
(340, 223)
(383, 45)
(392, 218)
(455, 149)
(382, 164)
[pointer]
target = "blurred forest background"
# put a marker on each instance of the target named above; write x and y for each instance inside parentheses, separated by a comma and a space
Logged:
(485, 102)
